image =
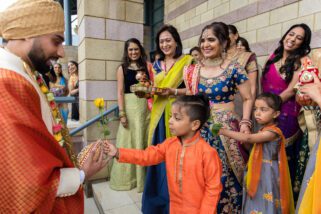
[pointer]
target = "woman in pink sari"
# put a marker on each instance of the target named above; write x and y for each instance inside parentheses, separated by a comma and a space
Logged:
(280, 75)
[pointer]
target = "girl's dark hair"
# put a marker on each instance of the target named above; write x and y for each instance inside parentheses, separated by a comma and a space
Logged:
(173, 31)
(274, 101)
(232, 29)
(75, 63)
(292, 62)
(196, 48)
(244, 43)
(197, 107)
(220, 30)
(141, 62)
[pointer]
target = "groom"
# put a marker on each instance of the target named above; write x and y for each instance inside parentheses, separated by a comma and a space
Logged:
(37, 174)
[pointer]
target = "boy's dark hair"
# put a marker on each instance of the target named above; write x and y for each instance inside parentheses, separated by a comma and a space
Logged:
(274, 101)
(197, 107)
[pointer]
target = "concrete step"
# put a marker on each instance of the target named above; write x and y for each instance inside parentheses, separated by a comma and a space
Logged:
(90, 206)
(109, 201)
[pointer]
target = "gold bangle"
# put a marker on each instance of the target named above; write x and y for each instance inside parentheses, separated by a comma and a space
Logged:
(176, 91)
(117, 154)
(246, 122)
(122, 114)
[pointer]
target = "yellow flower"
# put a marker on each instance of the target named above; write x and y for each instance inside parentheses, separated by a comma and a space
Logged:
(99, 103)
(58, 136)
(44, 89)
(55, 113)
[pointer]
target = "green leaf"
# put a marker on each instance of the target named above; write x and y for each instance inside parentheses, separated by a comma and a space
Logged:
(216, 128)
(106, 132)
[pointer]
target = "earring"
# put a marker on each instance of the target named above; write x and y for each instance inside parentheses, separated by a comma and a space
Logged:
(223, 54)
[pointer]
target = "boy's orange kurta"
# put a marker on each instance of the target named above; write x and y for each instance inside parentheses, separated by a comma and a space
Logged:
(193, 172)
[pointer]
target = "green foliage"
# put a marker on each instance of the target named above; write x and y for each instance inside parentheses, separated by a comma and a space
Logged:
(103, 124)
(215, 128)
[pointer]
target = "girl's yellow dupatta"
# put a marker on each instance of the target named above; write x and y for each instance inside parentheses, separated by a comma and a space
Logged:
(254, 171)
(311, 201)
(162, 104)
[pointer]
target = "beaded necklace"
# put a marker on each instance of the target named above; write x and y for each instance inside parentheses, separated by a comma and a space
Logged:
(218, 61)
(165, 67)
(59, 128)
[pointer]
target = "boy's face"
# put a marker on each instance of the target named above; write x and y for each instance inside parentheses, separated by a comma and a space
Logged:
(179, 123)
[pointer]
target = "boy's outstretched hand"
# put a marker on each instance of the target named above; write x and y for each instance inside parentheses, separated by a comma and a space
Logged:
(110, 149)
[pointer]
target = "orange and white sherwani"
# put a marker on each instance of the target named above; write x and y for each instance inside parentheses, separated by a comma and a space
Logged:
(36, 173)
(193, 172)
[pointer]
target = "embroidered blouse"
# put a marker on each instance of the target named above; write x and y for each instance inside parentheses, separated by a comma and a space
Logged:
(222, 88)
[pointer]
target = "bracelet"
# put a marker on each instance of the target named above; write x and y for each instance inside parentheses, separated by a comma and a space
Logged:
(176, 92)
(246, 122)
(122, 114)
(117, 154)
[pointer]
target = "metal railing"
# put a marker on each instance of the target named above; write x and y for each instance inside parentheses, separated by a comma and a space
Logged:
(66, 99)
(92, 120)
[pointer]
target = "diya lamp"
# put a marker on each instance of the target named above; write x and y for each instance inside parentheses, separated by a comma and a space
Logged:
(306, 77)
(142, 78)
(143, 87)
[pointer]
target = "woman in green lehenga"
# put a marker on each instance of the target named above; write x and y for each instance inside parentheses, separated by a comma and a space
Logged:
(134, 118)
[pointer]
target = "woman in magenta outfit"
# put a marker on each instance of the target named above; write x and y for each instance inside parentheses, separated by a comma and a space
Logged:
(280, 75)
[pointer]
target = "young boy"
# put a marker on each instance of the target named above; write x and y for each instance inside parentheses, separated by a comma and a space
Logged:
(193, 167)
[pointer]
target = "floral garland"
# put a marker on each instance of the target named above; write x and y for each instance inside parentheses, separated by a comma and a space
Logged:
(59, 128)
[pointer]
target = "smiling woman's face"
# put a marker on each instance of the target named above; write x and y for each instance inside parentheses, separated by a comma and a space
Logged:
(293, 39)
(210, 45)
(167, 43)
(133, 51)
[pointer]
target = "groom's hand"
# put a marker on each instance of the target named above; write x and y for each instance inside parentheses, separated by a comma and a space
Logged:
(91, 166)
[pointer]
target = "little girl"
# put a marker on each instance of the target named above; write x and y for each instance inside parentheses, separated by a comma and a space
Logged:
(266, 180)
(193, 167)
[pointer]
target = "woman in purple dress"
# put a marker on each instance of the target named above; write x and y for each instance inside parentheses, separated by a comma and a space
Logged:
(280, 75)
